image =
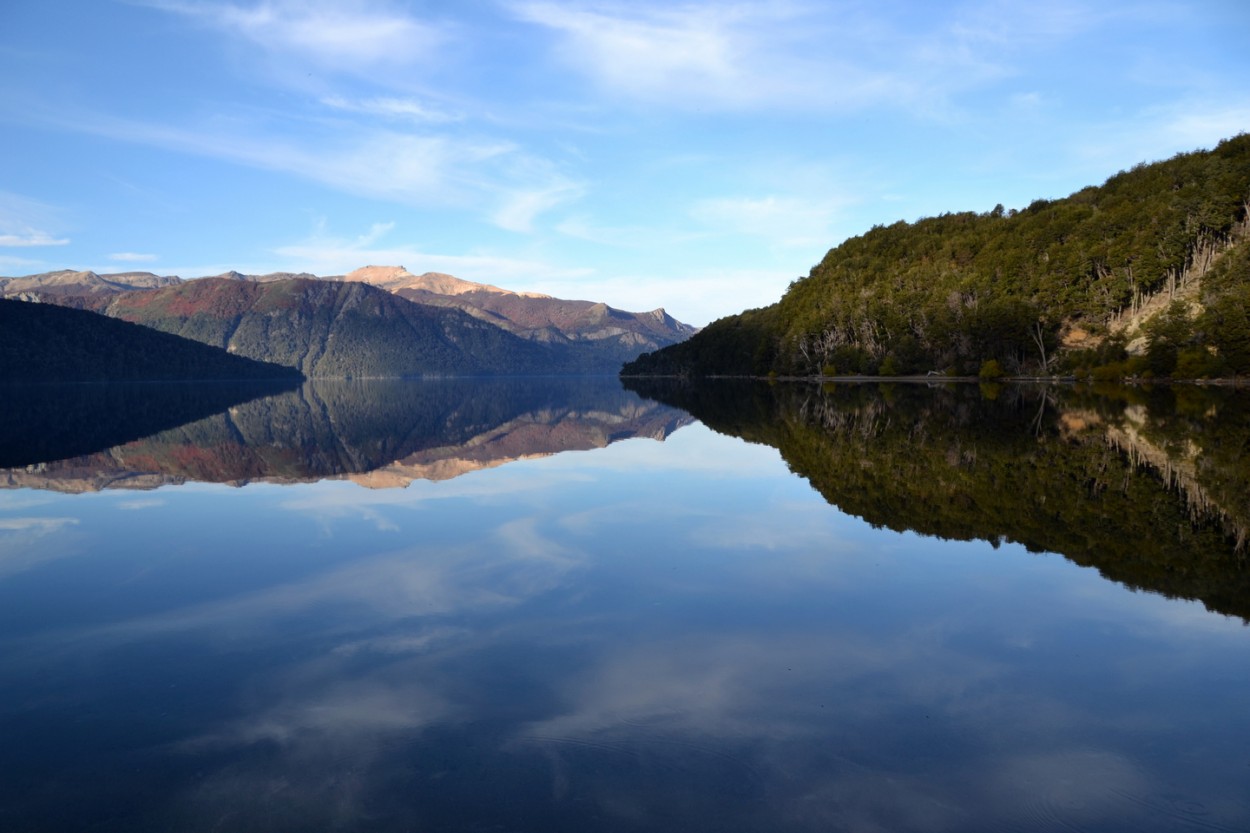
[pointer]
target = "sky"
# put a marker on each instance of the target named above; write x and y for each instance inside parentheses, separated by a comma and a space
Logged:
(694, 156)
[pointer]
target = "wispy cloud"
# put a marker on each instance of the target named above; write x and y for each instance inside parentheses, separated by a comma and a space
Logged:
(400, 109)
(420, 170)
(496, 178)
(1018, 24)
(31, 237)
(813, 57)
(133, 257)
(751, 55)
(643, 52)
(520, 208)
(356, 36)
(697, 55)
(22, 222)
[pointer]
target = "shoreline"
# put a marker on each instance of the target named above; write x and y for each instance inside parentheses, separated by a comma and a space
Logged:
(1230, 382)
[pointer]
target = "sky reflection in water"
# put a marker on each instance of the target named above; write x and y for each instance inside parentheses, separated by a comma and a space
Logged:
(676, 635)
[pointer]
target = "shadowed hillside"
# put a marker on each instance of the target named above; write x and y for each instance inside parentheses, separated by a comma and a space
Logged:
(47, 343)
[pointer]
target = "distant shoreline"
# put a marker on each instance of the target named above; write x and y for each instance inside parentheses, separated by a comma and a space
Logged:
(1235, 381)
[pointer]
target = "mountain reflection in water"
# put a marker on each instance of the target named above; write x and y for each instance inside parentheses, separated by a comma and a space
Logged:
(381, 433)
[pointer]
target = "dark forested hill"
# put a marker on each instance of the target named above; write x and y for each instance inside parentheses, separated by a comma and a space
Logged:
(1153, 262)
(335, 329)
(47, 343)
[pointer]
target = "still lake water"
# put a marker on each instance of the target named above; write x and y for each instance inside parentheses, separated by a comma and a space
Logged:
(562, 606)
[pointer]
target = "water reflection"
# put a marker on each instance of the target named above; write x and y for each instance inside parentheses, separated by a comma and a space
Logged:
(1151, 487)
(677, 635)
(40, 423)
(378, 433)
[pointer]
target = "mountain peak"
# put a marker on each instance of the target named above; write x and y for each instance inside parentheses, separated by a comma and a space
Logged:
(395, 278)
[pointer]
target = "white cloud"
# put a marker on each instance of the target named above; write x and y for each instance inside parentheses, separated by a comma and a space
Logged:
(780, 55)
(642, 53)
(31, 237)
(133, 257)
(1012, 26)
(423, 170)
(22, 221)
(718, 55)
(355, 36)
(520, 208)
(811, 57)
(403, 109)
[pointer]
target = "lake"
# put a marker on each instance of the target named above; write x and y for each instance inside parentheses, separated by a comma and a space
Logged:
(561, 605)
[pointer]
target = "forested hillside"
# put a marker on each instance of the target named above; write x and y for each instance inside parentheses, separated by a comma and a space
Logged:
(47, 343)
(1081, 284)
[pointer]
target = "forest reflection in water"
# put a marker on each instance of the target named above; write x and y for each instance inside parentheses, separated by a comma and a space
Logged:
(648, 635)
(1149, 485)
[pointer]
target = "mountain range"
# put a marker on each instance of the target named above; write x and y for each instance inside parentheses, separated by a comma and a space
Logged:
(375, 321)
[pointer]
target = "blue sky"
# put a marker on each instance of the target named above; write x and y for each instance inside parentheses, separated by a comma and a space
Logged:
(696, 156)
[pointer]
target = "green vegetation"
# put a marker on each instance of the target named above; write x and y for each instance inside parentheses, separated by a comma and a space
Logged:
(950, 293)
(46, 343)
(1148, 486)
